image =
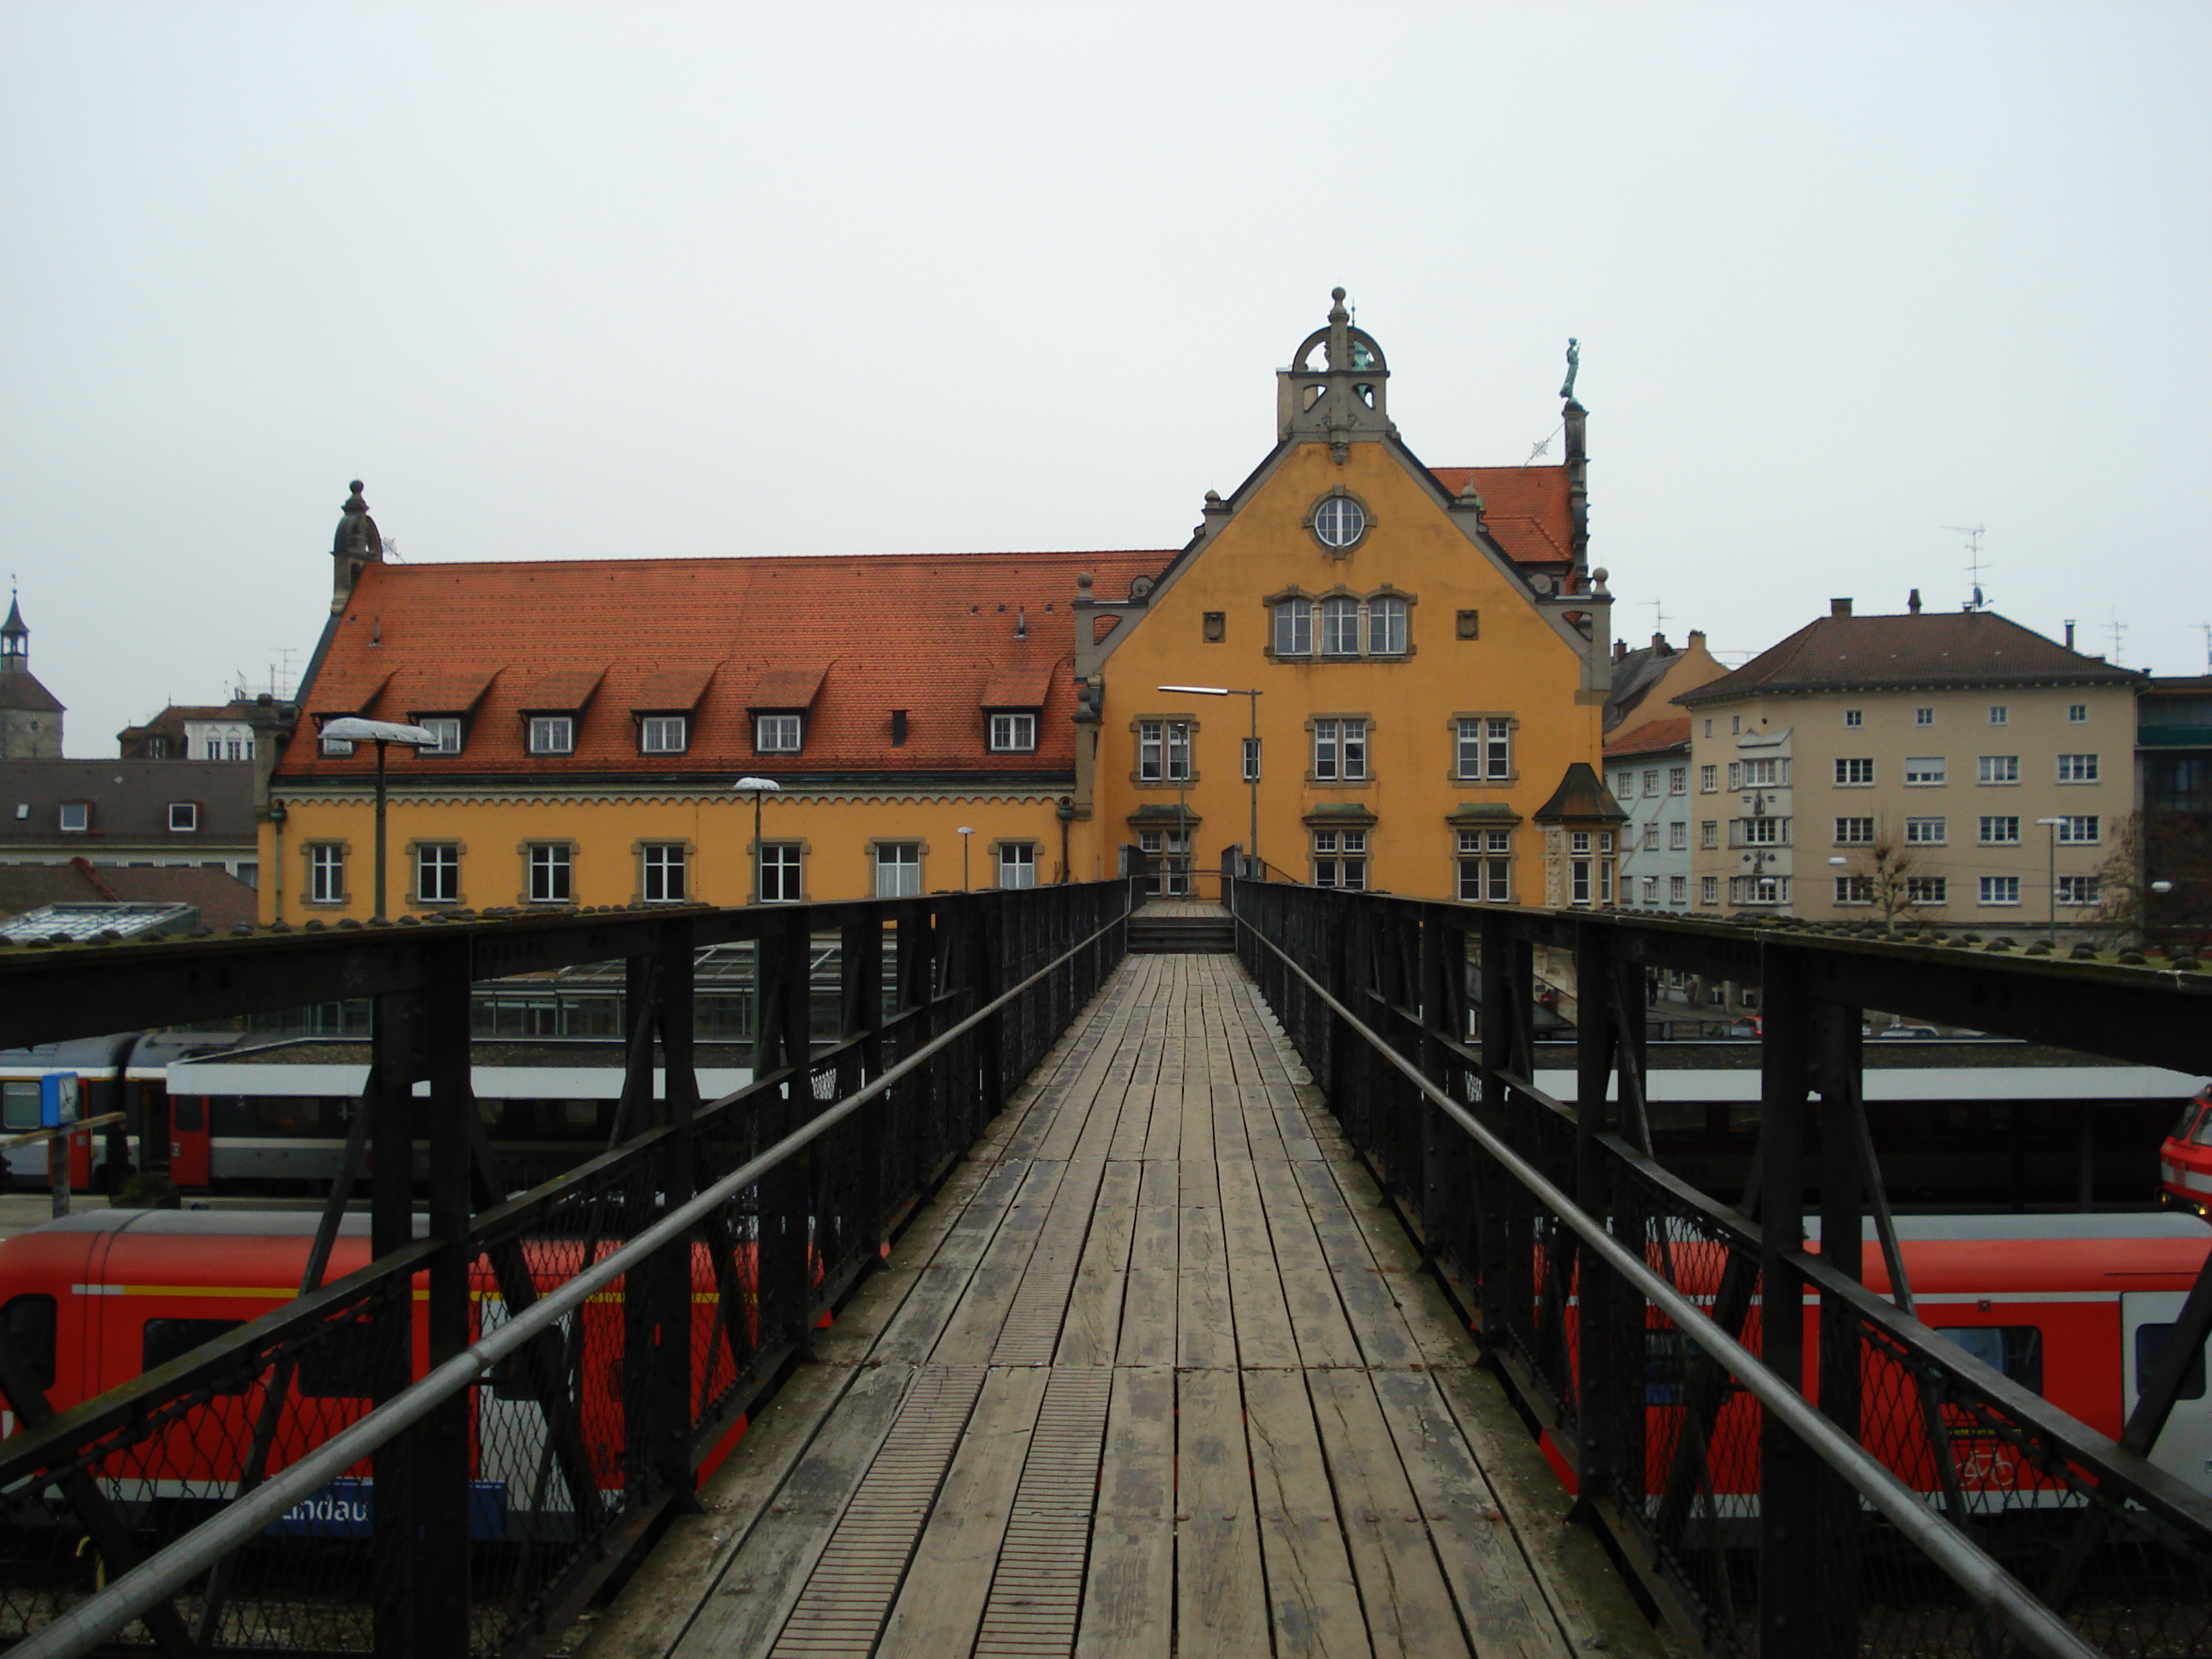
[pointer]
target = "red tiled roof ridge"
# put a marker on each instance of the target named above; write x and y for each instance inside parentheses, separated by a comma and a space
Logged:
(595, 562)
(1652, 736)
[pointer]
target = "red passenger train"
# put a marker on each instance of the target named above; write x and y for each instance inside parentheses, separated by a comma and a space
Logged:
(92, 1300)
(2073, 1307)
(2184, 1162)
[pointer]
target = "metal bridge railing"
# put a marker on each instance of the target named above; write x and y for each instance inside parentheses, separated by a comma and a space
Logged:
(581, 1349)
(1794, 1464)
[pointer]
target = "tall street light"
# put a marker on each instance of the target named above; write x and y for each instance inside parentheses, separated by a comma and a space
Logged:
(2053, 825)
(964, 832)
(352, 729)
(1251, 750)
(753, 789)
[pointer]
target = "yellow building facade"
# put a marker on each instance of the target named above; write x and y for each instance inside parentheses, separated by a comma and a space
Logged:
(1421, 653)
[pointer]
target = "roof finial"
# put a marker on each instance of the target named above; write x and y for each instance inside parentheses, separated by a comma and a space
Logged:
(1337, 314)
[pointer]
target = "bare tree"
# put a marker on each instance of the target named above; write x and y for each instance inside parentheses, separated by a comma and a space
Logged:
(1885, 869)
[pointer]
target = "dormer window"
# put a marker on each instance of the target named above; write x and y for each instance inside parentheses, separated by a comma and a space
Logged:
(778, 734)
(183, 816)
(664, 734)
(552, 734)
(1013, 733)
(75, 818)
(448, 730)
(339, 747)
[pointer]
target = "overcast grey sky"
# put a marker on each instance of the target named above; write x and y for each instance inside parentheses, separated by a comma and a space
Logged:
(598, 281)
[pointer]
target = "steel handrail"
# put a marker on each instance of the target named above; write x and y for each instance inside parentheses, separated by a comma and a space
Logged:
(173, 1566)
(1987, 1583)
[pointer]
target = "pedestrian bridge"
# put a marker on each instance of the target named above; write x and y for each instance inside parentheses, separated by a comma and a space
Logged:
(1158, 1372)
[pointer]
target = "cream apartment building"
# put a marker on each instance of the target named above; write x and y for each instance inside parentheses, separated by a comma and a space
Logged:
(1946, 769)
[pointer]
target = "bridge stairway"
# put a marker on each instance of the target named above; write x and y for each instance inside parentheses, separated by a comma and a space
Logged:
(1170, 928)
(1157, 1371)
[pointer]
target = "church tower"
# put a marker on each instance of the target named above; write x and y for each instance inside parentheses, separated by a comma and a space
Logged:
(30, 715)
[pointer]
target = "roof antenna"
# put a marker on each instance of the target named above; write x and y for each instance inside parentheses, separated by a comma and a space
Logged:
(2115, 627)
(1973, 533)
(1659, 618)
(2205, 628)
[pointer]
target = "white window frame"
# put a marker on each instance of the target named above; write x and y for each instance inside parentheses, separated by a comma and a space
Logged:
(1340, 860)
(1998, 891)
(1854, 772)
(1340, 750)
(184, 817)
(897, 869)
(779, 733)
(447, 729)
(1997, 769)
(2077, 890)
(1252, 759)
(780, 871)
(1294, 627)
(2000, 714)
(1388, 630)
(1927, 832)
(1853, 890)
(2077, 714)
(437, 873)
(552, 734)
(1485, 867)
(664, 734)
(326, 883)
(1677, 779)
(2077, 768)
(1013, 733)
(1709, 778)
(1854, 832)
(1678, 836)
(1999, 829)
(1339, 626)
(1924, 717)
(1709, 890)
(1927, 891)
(2080, 830)
(552, 867)
(338, 748)
(1926, 771)
(664, 872)
(1709, 834)
(1017, 865)
(1852, 717)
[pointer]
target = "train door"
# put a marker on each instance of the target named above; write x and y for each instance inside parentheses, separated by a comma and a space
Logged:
(2185, 1445)
(192, 1140)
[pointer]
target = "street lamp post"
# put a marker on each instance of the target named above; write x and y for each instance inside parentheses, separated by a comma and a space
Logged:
(2053, 825)
(964, 832)
(1252, 748)
(352, 729)
(754, 788)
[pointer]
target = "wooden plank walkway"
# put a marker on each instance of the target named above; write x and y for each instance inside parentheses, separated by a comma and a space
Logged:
(1156, 1373)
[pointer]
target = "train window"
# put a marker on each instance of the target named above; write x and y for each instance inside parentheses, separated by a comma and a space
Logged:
(2203, 1135)
(27, 1325)
(580, 1114)
(167, 1338)
(289, 1114)
(19, 1106)
(342, 1362)
(2150, 1345)
(1667, 1356)
(187, 1113)
(2180, 1130)
(2014, 1350)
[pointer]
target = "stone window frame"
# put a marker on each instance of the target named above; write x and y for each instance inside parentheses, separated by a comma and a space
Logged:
(523, 853)
(1363, 622)
(921, 862)
(1367, 779)
(755, 849)
(1340, 853)
(997, 862)
(1479, 844)
(1310, 522)
(415, 851)
(1453, 776)
(343, 849)
(1166, 779)
(637, 852)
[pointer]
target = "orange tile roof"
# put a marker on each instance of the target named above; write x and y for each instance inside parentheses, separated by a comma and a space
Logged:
(1651, 737)
(1525, 508)
(928, 634)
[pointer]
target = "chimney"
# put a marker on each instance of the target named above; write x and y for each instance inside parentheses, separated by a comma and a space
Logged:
(1912, 602)
(1659, 645)
(1620, 650)
(2070, 637)
(1839, 607)
(1696, 638)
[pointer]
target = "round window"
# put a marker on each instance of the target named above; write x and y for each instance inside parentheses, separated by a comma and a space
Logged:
(1340, 521)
